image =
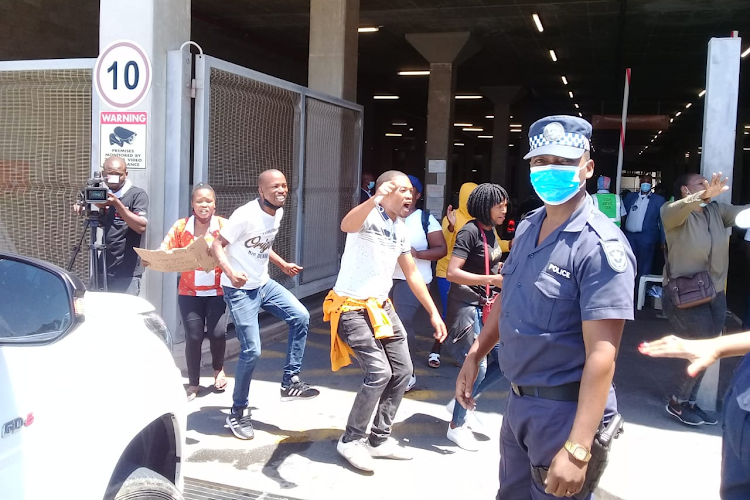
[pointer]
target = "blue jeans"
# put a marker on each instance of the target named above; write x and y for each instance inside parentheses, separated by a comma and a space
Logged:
(443, 286)
(244, 306)
(488, 374)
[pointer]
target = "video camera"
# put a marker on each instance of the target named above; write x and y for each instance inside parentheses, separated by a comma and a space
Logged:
(96, 190)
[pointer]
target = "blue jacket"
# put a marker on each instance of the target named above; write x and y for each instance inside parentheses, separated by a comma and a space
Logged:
(652, 221)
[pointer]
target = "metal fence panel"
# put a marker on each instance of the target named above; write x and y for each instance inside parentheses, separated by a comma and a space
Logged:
(247, 122)
(45, 157)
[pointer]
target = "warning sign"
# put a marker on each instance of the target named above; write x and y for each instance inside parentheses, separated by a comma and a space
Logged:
(123, 134)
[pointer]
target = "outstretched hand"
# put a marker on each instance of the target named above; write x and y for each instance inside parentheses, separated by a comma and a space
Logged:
(701, 354)
(451, 215)
(715, 187)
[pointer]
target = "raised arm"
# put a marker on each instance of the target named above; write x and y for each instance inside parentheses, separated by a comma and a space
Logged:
(353, 221)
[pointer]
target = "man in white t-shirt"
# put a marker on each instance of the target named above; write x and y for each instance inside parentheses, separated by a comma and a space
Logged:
(363, 318)
(248, 237)
(427, 246)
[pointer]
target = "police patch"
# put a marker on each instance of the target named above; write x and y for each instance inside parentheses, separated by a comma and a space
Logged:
(554, 131)
(616, 256)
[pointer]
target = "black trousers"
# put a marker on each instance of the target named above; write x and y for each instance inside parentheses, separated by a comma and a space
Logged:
(201, 316)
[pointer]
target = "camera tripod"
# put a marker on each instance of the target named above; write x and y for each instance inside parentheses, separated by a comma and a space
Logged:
(97, 253)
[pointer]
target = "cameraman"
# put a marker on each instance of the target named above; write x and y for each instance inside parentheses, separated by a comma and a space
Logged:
(124, 222)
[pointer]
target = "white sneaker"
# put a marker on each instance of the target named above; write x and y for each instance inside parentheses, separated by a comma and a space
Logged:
(389, 449)
(471, 419)
(356, 453)
(463, 438)
(412, 383)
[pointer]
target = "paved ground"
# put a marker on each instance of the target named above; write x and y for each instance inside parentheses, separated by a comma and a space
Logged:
(293, 454)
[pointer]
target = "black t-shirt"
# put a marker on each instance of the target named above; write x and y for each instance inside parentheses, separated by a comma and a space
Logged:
(470, 246)
(122, 261)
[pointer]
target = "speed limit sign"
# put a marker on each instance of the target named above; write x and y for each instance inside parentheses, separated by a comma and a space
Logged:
(122, 74)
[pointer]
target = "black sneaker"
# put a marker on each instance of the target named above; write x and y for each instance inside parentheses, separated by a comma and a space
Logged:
(707, 419)
(684, 413)
(298, 390)
(240, 424)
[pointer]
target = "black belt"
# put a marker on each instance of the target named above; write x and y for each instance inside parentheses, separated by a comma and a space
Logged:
(566, 392)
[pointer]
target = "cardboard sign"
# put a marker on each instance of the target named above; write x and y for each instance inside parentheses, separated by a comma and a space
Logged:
(192, 257)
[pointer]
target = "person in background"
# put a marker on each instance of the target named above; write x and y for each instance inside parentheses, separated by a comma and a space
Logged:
(366, 186)
(642, 225)
(735, 454)
(697, 241)
(608, 203)
(427, 246)
(200, 298)
(473, 273)
(452, 224)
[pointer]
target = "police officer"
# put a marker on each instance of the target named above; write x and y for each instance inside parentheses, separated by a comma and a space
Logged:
(567, 291)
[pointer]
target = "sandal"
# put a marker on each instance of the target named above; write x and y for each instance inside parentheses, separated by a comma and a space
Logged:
(434, 360)
(192, 392)
(221, 381)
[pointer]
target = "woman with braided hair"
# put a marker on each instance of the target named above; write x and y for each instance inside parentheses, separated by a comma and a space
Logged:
(473, 271)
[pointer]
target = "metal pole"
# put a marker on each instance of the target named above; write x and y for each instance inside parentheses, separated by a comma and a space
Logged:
(622, 131)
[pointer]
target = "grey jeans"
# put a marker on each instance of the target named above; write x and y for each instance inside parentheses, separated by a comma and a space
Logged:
(387, 366)
(699, 322)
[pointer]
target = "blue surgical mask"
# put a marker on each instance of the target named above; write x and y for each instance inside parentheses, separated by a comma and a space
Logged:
(370, 184)
(645, 187)
(556, 184)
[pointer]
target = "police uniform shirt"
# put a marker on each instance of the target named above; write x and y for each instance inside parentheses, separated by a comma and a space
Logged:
(584, 270)
(122, 261)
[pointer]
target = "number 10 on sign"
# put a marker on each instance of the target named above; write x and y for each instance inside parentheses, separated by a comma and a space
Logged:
(123, 74)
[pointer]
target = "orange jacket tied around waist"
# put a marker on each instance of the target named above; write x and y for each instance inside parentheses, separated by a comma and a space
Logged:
(334, 305)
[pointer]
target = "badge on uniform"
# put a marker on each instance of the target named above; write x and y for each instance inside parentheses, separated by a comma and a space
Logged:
(616, 256)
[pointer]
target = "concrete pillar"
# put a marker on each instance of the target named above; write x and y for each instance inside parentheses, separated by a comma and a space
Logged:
(158, 26)
(502, 98)
(444, 51)
(720, 111)
(719, 134)
(333, 47)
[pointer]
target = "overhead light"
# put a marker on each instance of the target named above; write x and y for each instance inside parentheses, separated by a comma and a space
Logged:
(652, 140)
(579, 114)
(678, 114)
(746, 52)
(399, 124)
(747, 126)
(646, 147)
(687, 155)
(368, 29)
(553, 55)
(576, 105)
(747, 133)
(565, 80)
(538, 22)
(385, 97)
(511, 116)
(424, 72)
(702, 93)
(474, 170)
(511, 145)
(570, 93)
(490, 116)
(473, 129)
(463, 124)
(458, 143)
(468, 97)
(745, 149)
(688, 105)
(484, 137)
(389, 134)
(515, 125)
(411, 130)
(515, 130)
(671, 120)
(659, 133)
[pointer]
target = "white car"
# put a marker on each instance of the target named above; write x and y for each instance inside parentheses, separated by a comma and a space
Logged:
(91, 403)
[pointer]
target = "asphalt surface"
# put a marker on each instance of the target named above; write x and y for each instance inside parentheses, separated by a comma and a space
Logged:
(294, 453)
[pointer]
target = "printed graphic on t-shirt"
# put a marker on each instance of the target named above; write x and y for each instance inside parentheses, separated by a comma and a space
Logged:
(259, 246)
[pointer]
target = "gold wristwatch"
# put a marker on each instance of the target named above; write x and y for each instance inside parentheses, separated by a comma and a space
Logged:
(579, 452)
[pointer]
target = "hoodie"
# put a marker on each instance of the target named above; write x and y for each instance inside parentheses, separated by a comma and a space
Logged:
(462, 217)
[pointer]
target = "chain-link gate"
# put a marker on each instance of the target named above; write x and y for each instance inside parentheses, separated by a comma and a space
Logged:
(247, 122)
(45, 157)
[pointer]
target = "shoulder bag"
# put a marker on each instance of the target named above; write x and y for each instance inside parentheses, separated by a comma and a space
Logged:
(691, 291)
(489, 297)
